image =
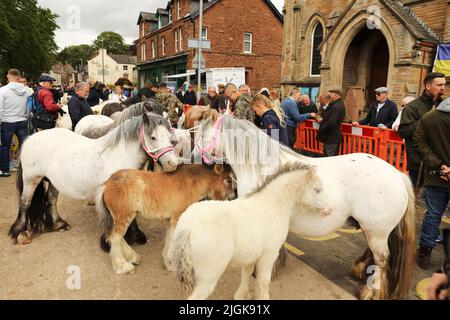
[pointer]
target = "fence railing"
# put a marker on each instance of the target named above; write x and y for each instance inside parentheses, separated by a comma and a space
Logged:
(385, 144)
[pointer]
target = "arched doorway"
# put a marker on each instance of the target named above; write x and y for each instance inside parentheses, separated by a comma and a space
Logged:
(366, 63)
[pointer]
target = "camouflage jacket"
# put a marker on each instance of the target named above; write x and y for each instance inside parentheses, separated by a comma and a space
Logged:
(242, 108)
(170, 102)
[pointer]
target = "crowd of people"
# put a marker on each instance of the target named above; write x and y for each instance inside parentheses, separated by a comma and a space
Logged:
(423, 122)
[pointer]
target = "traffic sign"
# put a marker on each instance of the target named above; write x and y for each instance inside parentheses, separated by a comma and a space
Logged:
(194, 44)
(195, 62)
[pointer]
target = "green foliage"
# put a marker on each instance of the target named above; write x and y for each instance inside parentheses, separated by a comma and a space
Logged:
(27, 37)
(73, 54)
(112, 42)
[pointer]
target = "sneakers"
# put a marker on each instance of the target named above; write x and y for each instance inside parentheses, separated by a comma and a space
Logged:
(5, 175)
(440, 238)
(423, 259)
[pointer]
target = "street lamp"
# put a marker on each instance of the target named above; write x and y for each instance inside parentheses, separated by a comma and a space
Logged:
(103, 63)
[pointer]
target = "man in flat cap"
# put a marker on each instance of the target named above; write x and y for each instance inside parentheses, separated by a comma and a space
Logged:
(47, 110)
(222, 100)
(330, 133)
(382, 113)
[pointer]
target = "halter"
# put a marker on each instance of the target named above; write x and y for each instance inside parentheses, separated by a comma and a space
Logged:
(213, 144)
(154, 154)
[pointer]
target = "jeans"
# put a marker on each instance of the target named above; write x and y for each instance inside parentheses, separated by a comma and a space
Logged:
(331, 150)
(436, 199)
(7, 131)
(292, 136)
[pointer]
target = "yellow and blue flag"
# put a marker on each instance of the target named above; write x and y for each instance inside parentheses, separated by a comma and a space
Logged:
(442, 61)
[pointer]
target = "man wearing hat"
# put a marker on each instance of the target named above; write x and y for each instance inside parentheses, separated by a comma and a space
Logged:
(330, 133)
(382, 113)
(221, 98)
(46, 100)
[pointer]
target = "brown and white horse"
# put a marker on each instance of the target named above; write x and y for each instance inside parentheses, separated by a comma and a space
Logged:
(157, 196)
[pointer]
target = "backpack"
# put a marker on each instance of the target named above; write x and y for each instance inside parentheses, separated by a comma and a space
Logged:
(33, 103)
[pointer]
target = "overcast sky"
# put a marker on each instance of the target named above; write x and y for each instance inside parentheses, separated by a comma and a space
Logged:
(82, 20)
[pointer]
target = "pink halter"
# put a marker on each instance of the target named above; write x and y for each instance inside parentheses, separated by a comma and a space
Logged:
(155, 155)
(213, 144)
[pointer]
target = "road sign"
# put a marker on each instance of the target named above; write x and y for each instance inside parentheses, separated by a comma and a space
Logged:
(195, 62)
(193, 44)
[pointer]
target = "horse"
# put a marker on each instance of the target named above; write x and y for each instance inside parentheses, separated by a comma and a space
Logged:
(64, 121)
(110, 108)
(96, 126)
(154, 196)
(198, 113)
(246, 233)
(78, 167)
(359, 188)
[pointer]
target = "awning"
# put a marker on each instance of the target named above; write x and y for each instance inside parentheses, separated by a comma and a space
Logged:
(181, 75)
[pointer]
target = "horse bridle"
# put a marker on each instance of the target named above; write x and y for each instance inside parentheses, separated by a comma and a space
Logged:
(154, 154)
(213, 144)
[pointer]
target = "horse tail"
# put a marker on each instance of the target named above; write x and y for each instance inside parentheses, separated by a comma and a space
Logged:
(181, 251)
(106, 221)
(402, 247)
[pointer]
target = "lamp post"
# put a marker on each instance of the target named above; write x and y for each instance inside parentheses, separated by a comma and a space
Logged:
(81, 70)
(200, 27)
(103, 63)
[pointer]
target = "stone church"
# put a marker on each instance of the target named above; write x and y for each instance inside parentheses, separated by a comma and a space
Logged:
(360, 45)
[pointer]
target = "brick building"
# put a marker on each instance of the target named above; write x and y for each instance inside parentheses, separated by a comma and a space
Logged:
(360, 45)
(242, 34)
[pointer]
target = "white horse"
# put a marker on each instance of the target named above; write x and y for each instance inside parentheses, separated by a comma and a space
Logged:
(78, 167)
(96, 126)
(64, 121)
(357, 187)
(246, 233)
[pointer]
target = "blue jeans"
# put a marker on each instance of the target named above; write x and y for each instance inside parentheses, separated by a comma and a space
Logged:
(7, 132)
(436, 199)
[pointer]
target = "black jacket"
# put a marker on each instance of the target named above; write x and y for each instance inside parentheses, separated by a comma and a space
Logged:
(180, 96)
(95, 96)
(411, 115)
(190, 98)
(78, 109)
(387, 115)
(302, 109)
(330, 128)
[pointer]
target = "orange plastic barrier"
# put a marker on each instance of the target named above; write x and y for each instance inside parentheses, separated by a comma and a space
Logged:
(385, 144)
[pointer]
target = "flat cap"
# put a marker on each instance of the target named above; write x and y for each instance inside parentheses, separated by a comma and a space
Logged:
(339, 91)
(382, 90)
(221, 86)
(46, 77)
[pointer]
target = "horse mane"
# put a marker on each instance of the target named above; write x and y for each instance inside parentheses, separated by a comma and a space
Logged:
(129, 131)
(140, 108)
(285, 169)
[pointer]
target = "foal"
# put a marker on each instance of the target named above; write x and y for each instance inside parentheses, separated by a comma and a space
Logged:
(154, 195)
(246, 233)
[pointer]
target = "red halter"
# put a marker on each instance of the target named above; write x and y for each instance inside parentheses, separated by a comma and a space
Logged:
(156, 154)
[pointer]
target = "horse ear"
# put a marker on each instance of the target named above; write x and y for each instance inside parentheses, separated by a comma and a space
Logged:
(146, 119)
(218, 169)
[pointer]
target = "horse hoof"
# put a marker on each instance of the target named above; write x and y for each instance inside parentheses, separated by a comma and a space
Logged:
(358, 271)
(365, 293)
(125, 268)
(91, 204)
(61, 225)
(24, 238)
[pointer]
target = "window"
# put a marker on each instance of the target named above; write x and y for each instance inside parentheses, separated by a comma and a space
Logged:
(142, 30)
(143, 48)
(163, 46)
(170, 14)
(159, 22)
(316, 58)
(205, 33)
(175, 33)
(125, 68)
(181, 39)
(248, 38)
(179, 9)
(153, 50)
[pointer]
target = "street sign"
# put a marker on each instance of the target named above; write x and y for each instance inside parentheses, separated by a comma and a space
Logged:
(193, 44)
(195, 62)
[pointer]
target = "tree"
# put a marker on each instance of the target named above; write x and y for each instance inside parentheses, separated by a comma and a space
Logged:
(112, 42)
(74, 54)
(27, 37)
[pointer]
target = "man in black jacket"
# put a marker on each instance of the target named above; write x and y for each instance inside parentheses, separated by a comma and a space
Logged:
(330, 133)
(78, 106)
(98, 91)
(413, 112)
(382, 113)
(190, 97)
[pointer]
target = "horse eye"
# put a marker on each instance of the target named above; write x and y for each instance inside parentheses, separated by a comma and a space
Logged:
(153, 137)
(317, 190)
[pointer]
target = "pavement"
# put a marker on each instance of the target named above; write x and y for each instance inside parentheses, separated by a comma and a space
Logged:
(71, 265)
